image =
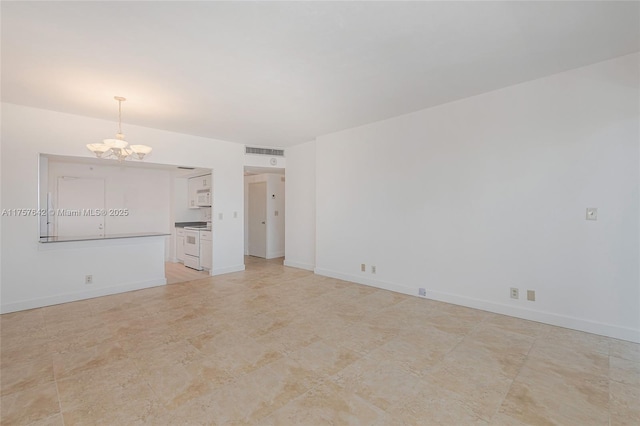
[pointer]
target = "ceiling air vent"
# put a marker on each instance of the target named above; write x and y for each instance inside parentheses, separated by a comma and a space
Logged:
(264, 151)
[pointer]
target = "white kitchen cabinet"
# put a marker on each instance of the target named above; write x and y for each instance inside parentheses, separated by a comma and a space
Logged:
(206, 249)
(193, 193)
(195, 184)
(180, 244)
(207, 182)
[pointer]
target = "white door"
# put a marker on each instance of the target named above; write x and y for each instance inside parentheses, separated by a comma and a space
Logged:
(80, 202)
(258, 219)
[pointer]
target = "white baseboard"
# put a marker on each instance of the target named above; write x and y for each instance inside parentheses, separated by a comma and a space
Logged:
(551, 318)
(299, 265)
(80, 295)
(227, 270)
(366, 281)
(275, 255)
(566, 321)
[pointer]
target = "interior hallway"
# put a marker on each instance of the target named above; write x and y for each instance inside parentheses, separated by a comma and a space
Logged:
(276, 345)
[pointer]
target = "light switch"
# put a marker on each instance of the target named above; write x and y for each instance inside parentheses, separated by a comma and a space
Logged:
(235, 215)
(592, 213)
(276, 213)
(220, 216)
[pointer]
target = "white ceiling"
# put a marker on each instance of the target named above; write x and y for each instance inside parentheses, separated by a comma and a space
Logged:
(281, 73)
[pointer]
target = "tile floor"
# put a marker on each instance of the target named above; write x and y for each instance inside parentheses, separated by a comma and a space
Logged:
(280, 346)
(178, 273)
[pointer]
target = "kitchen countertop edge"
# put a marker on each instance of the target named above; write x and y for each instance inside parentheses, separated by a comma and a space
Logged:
(185, 224)
(48, 240)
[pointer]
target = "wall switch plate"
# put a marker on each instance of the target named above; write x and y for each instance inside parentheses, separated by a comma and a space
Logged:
(373, 269)
(88, 279)
(515, 293)
(276, 213)
(531, 295)
(422, 291)
(592, 213)
(220, 216)
(235, 215)
(363, 267)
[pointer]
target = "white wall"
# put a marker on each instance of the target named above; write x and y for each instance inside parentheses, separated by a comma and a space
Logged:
(34, 275)
(275, 203)
(473, 197)
(145, 193)
(254, 160)
(300, 240)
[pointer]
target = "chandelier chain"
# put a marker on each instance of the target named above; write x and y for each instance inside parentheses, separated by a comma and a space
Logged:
(119, 116)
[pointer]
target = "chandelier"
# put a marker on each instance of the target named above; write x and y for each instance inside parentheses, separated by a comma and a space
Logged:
(118, 148)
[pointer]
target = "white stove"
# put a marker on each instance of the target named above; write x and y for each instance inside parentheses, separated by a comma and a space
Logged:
(193, 246)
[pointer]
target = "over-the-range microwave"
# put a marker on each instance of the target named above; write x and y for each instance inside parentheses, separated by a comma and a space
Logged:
(203, 198)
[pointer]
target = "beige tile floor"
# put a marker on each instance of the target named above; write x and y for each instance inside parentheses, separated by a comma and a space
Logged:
(281, 346)
(178, 273)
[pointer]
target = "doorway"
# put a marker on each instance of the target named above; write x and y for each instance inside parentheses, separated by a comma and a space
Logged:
(188, 211)
(264, 212)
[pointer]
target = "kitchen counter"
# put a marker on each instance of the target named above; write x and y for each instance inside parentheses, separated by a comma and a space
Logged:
(105, 237)
(184, 224)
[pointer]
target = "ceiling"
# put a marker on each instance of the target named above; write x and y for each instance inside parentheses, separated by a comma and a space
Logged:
(281, 73)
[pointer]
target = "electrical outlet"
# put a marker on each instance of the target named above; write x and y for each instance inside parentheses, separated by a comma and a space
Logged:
(88, 279)
(373, 269)
(422, 291)
(515, 293)
(531, 295)
(363, 267)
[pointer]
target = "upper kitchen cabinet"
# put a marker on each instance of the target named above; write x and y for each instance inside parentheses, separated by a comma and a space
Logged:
(206, 182)
(192, 192)
(200, 191)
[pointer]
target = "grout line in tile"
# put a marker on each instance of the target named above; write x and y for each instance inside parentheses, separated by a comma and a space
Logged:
(59, 400)
(513, 379)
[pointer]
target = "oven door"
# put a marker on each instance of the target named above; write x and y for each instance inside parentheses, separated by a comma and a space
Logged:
(192, 243)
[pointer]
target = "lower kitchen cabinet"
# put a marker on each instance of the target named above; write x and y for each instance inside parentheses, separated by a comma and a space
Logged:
(206, 249)
(180, 244)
